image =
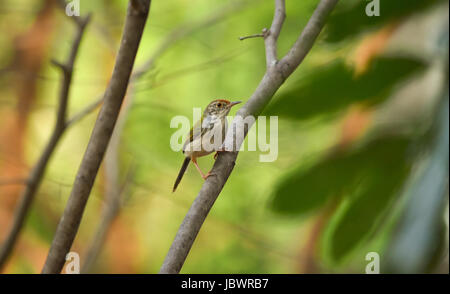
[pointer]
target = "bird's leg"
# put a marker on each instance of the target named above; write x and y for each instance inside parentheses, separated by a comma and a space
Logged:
(208, 174)
(194, 160)
(217, 152)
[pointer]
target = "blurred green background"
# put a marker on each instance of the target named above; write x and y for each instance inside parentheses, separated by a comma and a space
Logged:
(363, 137)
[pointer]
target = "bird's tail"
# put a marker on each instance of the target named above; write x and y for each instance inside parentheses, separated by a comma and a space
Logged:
(181, 173)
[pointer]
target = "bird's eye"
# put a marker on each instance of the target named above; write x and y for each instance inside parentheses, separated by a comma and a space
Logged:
(219, 104)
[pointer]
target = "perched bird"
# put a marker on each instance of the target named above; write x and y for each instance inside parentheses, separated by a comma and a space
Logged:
(212, 121)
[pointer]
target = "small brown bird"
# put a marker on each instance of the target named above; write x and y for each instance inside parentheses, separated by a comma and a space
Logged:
(213, 120)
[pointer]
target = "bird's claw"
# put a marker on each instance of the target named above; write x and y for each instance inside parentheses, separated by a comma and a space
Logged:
(208, 175)
(217, 153)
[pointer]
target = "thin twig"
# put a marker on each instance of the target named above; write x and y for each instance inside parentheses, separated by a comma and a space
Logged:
(306, 39)
(262, 35)
(275, 75)
(84, 112)
(144, 86)
(36, 175)
(98, 142)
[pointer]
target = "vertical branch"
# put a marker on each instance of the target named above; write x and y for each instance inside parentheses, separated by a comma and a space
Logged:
(101, 134)
(35, 177)
(275, 75)
(271, 36)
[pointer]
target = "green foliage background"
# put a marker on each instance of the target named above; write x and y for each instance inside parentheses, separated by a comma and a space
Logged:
(265, 217)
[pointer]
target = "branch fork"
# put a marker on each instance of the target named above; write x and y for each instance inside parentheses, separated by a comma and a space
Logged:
(276, 73)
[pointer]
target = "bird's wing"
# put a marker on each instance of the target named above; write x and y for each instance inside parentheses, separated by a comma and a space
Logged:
(199, 129)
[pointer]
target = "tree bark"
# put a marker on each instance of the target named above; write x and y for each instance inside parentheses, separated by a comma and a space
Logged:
(66, 231)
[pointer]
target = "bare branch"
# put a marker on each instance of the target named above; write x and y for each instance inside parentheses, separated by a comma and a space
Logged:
(68, 71)
(63, 67)
(271, 36)
(262, 35)
(270, 83)
(85, 111)
(307, 38)
(139, 6)
(36, 175)
(114, 95)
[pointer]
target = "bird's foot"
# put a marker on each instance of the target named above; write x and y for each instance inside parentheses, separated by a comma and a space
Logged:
(217, 152)
(208, 174)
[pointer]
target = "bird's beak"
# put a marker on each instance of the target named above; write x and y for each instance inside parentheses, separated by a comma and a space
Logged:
(234, 103)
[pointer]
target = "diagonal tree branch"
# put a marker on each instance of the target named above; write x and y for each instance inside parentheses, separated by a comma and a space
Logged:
(307, 38)
(36, 175)
(101, 134)
(275, 75)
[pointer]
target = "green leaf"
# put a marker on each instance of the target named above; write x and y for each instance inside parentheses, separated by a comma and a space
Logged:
(384, 167)
(334, 87)
(340, 173)
(350, 18)
(368, 177)
(304, 190)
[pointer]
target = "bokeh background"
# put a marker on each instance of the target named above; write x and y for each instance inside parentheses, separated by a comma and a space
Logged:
(363, 137)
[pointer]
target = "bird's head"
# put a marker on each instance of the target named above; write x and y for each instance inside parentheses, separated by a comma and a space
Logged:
(219, 107)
